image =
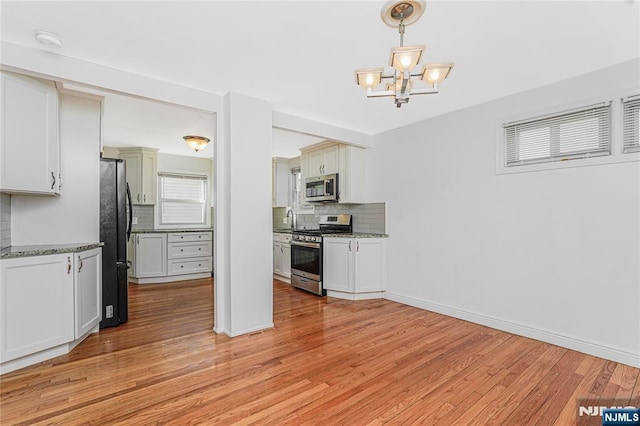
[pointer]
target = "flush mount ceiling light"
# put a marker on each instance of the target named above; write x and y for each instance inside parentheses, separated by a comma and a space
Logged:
(399, 83)
(196, 143)
(48, 39)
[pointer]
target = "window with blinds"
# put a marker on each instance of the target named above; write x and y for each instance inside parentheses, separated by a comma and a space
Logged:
(631, 124)
(577, 134)
(182, 199)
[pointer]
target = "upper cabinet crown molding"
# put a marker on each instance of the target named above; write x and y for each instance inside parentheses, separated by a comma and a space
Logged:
(29, 141)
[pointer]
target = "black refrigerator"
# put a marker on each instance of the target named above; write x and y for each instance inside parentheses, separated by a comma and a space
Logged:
(115, 231)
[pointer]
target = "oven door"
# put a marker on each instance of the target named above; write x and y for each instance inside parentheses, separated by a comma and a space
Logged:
(306, 260)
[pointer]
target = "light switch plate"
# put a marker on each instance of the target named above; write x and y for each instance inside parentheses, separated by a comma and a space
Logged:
(284, 220)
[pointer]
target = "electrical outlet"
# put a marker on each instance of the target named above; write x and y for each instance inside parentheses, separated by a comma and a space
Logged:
(284, 220)
(134, 220)
(109, 311)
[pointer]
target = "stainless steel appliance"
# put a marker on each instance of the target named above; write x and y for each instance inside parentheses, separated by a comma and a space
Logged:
(322, 188)
(306, 252)
(115, 231)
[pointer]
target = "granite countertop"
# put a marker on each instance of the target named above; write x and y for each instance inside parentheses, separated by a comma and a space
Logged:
(45, 249)
(168, 231)
(282, 230)
(357, 235)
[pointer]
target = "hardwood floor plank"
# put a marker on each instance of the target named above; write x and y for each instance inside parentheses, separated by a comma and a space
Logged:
(326, 361)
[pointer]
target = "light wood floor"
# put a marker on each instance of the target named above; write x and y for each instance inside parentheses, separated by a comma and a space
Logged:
(326, 361)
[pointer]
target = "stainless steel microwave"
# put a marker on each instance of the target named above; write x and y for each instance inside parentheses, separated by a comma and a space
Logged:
(322, 188)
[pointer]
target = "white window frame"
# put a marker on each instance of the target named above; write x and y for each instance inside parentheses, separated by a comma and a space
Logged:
(207, 203)
(616, 155)
(634, 121)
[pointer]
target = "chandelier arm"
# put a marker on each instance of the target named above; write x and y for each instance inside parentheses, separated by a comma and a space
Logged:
(424, 91)
(380, 93)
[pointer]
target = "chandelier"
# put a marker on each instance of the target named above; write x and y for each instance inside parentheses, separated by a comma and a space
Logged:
(403, 81)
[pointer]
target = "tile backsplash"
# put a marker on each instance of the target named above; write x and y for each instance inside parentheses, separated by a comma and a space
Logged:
(368, 218)
(5, 220)
(144, 214)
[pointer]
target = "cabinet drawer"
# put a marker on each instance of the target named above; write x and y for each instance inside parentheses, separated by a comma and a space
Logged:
(182, 250)
(189, 237)
(189, 266)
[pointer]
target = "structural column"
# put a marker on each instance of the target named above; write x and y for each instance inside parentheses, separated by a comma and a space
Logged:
(244, 257)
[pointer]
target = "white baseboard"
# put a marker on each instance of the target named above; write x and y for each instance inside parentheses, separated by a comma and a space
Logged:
(355, 296)
(248, 330)
(591, 348)
(282, 278)
(169, 279)
(31, 359)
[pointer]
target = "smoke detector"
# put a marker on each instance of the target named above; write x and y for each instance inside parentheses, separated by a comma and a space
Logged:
(48, 39)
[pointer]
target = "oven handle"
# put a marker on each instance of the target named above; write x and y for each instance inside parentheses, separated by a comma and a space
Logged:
(299, 243)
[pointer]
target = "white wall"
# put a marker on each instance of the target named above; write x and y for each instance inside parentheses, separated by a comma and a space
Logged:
(553, 254)
(74, 216)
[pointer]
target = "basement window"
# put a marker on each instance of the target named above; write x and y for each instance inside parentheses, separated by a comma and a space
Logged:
(182, 200)
(570, 135)
(631, 124)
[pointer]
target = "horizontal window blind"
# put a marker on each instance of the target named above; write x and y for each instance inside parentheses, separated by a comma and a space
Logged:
(631, 124)
(182, 199)
(577, 134)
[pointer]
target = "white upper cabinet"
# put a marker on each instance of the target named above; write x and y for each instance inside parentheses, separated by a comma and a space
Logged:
(29, 144)
(332, 157)
(323, 161)
(141, 168)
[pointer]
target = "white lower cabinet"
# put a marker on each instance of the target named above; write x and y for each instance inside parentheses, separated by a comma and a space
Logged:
(355, 268)
(150, 255)
(87, 295)
(159, 257)
(282, 256)
(48, 303)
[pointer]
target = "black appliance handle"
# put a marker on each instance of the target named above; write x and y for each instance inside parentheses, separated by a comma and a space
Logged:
(130, 212)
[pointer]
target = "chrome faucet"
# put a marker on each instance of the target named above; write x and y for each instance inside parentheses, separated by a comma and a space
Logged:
(293, 218)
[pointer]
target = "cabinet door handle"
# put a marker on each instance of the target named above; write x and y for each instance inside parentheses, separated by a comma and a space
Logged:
(81, 264)
(144, 198)
(53, 184)
(357, 246)
(138, 239)
(68, 264)
(349, 245)
(60, 180)
(281, 251)
(138, 197)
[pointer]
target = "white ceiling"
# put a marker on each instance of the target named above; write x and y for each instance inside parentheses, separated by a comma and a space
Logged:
(300, 55)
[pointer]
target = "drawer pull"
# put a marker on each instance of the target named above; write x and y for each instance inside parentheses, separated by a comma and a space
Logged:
(199, 264)
(181, 249)
(182, 266)
(199, 248)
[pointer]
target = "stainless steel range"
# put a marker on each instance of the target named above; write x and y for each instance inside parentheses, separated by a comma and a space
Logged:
(306, 252)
